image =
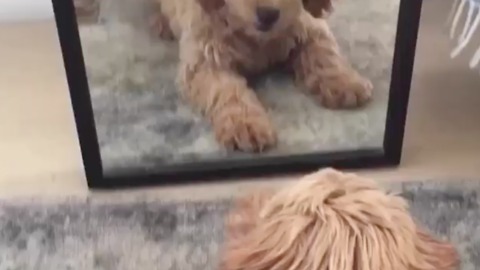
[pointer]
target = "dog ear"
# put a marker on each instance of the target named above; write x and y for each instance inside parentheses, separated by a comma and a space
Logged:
(317, 8)
(271, 244)
(439, 254)
(259, 243)
(245, 213)
(211, 5)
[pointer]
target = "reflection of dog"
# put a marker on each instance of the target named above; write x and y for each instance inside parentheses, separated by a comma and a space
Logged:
(221, 39)
(86, 10)
(328, 221)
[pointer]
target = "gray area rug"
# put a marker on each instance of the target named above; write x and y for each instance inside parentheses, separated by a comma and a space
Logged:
(142, 123)
(150, 234)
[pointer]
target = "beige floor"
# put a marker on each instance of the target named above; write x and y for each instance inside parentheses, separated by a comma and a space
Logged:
(39, 153)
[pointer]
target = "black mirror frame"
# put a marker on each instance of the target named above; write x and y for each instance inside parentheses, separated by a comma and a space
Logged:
(390, 155)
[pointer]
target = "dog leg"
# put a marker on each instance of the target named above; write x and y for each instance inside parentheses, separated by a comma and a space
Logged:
(160, 26)
(239, 120)
(318, 65)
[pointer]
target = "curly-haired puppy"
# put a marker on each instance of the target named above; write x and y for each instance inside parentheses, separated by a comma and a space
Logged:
(223, 40)
(329, 221)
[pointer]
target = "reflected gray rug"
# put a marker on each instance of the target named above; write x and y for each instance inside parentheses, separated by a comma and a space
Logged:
(149, 234)
(142, 123)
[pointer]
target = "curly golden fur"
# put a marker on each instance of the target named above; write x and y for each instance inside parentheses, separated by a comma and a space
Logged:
(328, 221)
(223, 40)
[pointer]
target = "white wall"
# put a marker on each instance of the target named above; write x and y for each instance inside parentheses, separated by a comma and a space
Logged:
(25, 10)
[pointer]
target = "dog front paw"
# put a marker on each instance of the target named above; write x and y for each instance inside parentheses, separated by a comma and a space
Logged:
(345, 92)
(240, 129)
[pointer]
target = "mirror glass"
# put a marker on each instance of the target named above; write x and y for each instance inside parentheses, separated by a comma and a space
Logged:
(184, 81)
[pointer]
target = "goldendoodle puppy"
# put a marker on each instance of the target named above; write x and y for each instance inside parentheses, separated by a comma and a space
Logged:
(221, 41)
(327, 221)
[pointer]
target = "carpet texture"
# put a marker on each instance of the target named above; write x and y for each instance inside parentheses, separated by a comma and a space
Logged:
(142, 123)
(150, 234)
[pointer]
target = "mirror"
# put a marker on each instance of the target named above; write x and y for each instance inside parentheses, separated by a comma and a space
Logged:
(212, 81)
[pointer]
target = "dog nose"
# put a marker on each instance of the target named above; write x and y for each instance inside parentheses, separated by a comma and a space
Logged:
(267, 16)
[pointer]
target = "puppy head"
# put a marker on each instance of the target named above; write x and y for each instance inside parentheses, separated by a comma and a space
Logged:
(266, 17)
(331, 221)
